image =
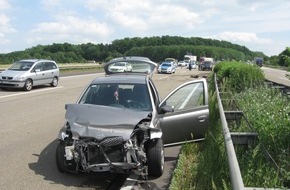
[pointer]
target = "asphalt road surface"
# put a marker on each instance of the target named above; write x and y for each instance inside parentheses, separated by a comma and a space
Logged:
(276, 75)
(29, 125)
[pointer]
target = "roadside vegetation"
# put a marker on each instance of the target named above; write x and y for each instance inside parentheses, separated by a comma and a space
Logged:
(156, 48)
(264, 162)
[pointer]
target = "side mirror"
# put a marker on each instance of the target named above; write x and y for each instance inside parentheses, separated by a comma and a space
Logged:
(65, 106)
(166, 109)
(37, 70)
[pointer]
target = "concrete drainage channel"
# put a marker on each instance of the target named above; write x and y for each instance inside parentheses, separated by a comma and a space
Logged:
(233, 116)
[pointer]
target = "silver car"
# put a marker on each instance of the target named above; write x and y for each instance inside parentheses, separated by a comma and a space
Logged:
(28, 73)
(119, 124)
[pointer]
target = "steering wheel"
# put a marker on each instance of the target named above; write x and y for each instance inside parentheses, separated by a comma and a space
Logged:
(134, 104)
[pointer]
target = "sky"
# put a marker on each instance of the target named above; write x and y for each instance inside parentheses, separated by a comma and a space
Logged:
(259, 25)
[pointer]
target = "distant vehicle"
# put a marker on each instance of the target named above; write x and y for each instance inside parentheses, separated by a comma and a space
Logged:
(121, 67)
(193, 65)
(206, 65)
(182, 64)
(259, 61)
(167, 67)
(171, 60)
(189, 58)
(29, 73)
(206, 60)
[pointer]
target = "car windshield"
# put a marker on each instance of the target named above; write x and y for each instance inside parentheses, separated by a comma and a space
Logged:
(21, 66)
(125, 96)
(207, 63)
(166, 64)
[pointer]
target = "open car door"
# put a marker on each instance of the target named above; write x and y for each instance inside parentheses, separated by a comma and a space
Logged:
(189, 119)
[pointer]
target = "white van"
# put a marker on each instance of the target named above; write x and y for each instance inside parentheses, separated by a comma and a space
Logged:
(28, 73)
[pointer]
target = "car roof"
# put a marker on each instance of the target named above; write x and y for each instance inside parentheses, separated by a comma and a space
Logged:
(121, 78)
(33, 60)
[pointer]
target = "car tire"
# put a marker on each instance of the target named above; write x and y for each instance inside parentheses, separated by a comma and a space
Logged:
(155, 156)
(54, 82)
(28, 85)
(59, 157)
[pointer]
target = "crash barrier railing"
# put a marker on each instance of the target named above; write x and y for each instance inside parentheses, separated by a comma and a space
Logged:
(237, 138)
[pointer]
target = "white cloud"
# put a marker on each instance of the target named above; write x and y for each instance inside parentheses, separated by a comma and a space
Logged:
(242, 37)
(69, 28)
(4, 5)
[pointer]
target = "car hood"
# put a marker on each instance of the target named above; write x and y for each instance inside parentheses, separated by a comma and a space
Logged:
(97, 121)
(12, 73)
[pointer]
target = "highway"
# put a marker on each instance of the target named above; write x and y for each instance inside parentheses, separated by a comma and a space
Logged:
(29, 125)
(276, 75)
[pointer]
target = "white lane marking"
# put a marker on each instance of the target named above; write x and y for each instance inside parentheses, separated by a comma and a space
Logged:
(76, 76)
(188, 98)
(130, 182)
(30, 92)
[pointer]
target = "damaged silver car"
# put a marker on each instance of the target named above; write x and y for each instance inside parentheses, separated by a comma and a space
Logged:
(120, 125)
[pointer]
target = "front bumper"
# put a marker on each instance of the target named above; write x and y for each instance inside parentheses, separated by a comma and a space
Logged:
(12, 84)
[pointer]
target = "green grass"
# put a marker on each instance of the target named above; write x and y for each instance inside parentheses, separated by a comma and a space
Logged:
(268, 112)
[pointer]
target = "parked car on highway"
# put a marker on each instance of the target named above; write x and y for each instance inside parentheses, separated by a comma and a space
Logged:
(121, 67)
(182, 64)
(119, 124)
(206, 65)
(28, 73)
(167, 67)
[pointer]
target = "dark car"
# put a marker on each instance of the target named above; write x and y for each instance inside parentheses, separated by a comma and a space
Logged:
(119, 124)
(206, 65)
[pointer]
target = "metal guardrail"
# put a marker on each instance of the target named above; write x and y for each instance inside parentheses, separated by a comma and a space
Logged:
(229, 138)
(235, 172)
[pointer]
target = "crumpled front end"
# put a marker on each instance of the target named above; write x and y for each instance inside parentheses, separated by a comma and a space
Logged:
(99, 149)
(113, 153)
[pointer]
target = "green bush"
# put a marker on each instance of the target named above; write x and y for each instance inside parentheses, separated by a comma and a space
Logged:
(239, 76)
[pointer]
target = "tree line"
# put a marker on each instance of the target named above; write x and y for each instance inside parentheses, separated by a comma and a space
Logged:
(156, 48)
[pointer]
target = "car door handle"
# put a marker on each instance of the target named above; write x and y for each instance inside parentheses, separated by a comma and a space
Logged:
(201, 118)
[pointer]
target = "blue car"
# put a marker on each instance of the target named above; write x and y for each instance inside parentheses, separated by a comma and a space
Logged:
(167, 67)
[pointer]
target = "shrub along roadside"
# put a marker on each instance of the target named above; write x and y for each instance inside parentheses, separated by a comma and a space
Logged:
(210, 160)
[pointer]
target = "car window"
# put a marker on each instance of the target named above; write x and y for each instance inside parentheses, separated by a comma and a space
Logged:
(191, 95)
(39, 66)
(49, 66)
(131, 96)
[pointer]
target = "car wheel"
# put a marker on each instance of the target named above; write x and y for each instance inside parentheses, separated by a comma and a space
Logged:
(54, 82)
(28, 85)
(59, 157)
(155, 156)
